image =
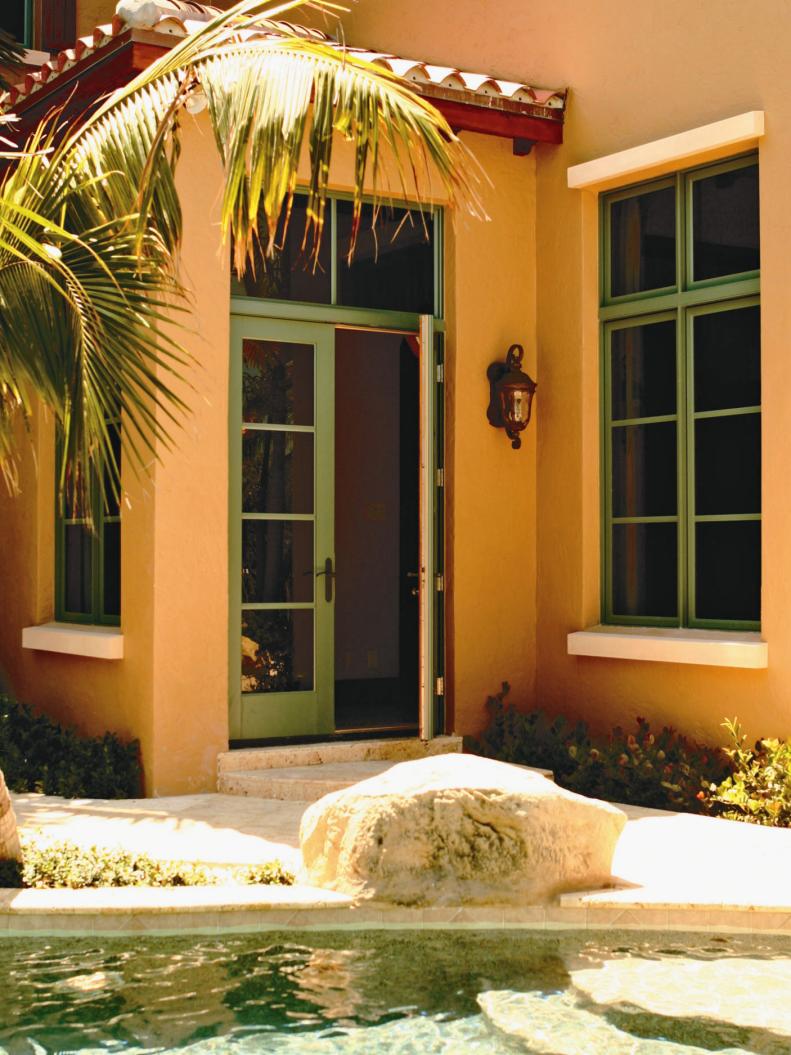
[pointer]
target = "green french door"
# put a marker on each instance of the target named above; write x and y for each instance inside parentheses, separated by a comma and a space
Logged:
(334, 454)
(282, 537)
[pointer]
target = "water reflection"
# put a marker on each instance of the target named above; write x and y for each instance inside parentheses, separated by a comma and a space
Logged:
(347, 993)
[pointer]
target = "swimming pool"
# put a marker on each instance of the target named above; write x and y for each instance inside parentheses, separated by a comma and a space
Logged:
(410, 993)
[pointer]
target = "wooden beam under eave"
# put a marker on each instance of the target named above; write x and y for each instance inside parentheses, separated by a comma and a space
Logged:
(488, 121)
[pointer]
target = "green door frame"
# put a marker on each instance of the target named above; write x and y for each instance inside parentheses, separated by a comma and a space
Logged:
(306, 324)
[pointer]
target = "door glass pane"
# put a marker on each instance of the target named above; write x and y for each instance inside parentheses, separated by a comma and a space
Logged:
(643, 242)
(728, 465)
(644, 470)
(277, 560)
(77, 563)
(277, 382)
(393, 264)
(643, 368)
(645, 569)
(728, 359)
(725, 223)
(290, 274)
(277, 651)
(728, 570)
(112, 568)
(277, 472)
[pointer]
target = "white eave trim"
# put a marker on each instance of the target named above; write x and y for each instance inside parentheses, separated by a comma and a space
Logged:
(75, 639)
(710, 648)
(740, 132)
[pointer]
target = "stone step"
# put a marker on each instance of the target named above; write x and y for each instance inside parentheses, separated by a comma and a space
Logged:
(299, 783)
(330, 752)
(308, 783)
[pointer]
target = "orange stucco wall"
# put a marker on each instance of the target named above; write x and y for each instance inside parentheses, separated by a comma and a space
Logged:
(522, 528)
(637, 72)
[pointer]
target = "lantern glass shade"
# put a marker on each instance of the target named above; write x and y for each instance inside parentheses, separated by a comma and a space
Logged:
(515, 401)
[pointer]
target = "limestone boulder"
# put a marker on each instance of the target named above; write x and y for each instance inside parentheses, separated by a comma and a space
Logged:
(458, 829)
(9, 836)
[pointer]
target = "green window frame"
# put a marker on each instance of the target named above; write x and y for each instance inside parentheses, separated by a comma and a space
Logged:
(89, 553)
(680, 303)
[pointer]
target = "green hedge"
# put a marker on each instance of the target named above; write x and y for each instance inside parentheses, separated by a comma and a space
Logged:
(664, 770)
(63, 864)
(37, 754)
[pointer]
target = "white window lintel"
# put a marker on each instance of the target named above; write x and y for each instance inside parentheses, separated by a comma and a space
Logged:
(712, 648)
(677, 151)
(75, 639)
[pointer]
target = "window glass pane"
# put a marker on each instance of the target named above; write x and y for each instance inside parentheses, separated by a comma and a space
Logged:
(112, 569)
(277, 472)
(643, 242)
(728, 465)
(728, 570)
(643, 368)
(645, 572)
(644, 470)
(277, 651)
(393, 265)
(725, 223)
(277, 560)
(277, 382)
(727, 354)
(289, 274)
(111, 500)
(12, 18)
(78, 581)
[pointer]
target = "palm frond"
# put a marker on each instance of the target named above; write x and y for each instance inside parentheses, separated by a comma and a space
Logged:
(269, 94)
(80, 318)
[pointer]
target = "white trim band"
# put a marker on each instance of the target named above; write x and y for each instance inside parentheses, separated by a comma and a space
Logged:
(75, 639)
(711, 648)
(737, 132)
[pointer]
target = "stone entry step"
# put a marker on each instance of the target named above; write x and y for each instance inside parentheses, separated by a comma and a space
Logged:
(299, 783)
(334, 751)
(307, 772)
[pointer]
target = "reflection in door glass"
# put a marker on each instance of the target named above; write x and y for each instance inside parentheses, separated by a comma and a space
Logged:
(277, 650)
(277, 472)
(277, 383)
(277, 561)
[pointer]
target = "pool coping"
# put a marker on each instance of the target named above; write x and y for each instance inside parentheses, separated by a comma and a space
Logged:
(213, 910)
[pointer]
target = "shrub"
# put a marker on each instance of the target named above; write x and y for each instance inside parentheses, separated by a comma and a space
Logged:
(759, 788)
(37, 754)
(663, 770)
(53, 865)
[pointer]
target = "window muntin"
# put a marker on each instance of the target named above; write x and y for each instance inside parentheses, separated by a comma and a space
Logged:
(88, 560)
(682, 414)
(395, 265)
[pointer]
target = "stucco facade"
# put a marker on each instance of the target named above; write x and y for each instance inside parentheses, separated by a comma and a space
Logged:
(523, 547)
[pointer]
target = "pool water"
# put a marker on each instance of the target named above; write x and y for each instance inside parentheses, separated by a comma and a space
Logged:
(459, 992)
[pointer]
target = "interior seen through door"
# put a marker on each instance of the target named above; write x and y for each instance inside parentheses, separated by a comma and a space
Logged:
(376, 530)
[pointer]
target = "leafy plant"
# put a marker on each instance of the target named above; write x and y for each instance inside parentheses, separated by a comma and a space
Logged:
(759, 788)
(38, 754)
(663, 770)
(60, 865)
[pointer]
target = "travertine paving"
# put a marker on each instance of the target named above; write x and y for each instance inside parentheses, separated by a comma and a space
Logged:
(674, 871)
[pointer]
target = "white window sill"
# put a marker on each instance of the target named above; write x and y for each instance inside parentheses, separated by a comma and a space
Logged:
(711, 648)
(75, 639)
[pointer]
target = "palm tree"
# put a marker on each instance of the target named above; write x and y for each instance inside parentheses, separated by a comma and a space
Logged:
(90, 223)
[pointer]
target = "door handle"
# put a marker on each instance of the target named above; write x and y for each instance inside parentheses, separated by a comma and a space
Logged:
(329, 575)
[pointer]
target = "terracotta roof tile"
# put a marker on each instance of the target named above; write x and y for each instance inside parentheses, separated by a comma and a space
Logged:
(178, 18)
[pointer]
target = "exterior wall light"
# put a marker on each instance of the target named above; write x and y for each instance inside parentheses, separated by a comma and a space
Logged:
(511, 395)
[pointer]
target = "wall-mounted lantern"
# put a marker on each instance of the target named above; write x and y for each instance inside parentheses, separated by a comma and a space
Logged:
(511, 395)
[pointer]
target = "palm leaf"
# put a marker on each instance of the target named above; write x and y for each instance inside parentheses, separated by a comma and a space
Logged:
(11, 59)
(104, 199)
